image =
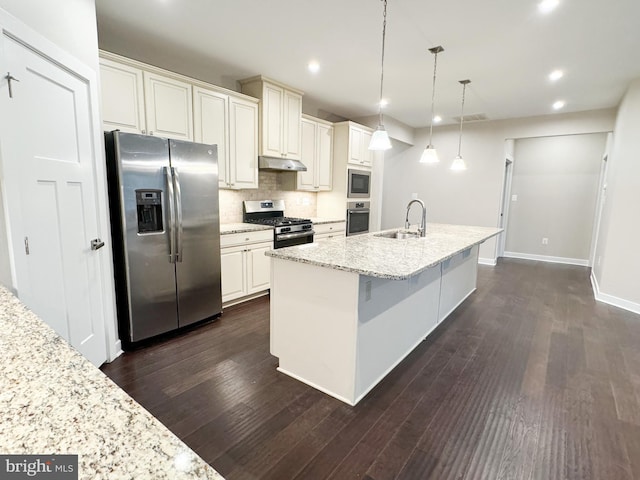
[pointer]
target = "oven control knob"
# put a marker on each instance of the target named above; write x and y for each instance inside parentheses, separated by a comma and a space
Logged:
(286, 229)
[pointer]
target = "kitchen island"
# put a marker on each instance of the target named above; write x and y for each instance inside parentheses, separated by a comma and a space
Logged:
(346, 311)
(54, 401)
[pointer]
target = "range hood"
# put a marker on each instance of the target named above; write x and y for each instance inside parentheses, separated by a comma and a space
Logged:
(280, 164)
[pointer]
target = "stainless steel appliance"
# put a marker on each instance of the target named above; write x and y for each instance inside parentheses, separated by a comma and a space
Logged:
(358, 217)
(358, 183)
(287, 231)
(163, 197)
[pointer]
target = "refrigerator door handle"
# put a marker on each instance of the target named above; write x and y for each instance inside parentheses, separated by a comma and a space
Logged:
(178, 192)
(172, 214)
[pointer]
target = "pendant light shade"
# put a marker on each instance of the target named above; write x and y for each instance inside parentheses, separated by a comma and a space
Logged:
(458, 163)
(380, 138)
(430, 155)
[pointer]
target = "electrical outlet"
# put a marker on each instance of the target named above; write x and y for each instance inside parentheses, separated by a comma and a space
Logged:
(545, 241)
(514, 198)
(414, 196)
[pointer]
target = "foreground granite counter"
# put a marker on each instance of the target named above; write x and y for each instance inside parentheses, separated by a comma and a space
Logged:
(53, 401)
(387, 257)
(365, 303)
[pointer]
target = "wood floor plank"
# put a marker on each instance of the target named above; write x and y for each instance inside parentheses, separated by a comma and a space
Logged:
(530, 378)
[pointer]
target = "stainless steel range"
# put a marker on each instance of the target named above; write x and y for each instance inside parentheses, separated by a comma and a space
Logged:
(287, 231)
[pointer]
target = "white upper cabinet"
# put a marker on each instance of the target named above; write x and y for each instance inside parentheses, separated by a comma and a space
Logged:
(292, 131)
(359, 153)
(280, 117)
(140, 98)
(211, 126)
(231, 123)
(317, 155)
(243, 143)
(169, 107)
(122, 97)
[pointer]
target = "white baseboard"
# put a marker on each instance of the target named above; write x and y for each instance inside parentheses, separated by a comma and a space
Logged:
(487, 261)
(546, 258)
(610, 299)
(117, 348)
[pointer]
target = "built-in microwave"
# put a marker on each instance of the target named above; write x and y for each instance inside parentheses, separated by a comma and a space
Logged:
(359, 183)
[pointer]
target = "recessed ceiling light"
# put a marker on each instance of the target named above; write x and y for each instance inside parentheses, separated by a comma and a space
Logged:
(384, 102)
(559, 104)
(314, 67)
(546, 6)
(437, 119)
(556, 75)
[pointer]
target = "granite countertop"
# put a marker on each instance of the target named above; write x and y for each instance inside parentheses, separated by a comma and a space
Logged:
(388, 257)
(320, 221)
(226, 228)
(54, 401)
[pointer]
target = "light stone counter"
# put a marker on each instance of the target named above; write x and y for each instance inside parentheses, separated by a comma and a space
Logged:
(388, 257)
(227, 228)
(53, 401)
(320, 221)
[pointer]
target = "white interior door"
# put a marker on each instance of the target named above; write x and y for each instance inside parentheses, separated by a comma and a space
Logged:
(48, 160)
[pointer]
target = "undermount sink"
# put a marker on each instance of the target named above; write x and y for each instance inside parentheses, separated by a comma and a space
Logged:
(399, 234)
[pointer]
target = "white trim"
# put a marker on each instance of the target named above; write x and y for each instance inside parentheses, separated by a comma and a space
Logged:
(547, 258)
(610, 299)
(117, 351)
(318, 387)
(492, 262)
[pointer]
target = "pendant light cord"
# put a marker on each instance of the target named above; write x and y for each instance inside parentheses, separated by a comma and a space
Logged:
(464, 87)
(433, 95)
(384, 31)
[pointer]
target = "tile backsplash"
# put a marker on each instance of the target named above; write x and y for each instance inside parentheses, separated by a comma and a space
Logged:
(272, 186)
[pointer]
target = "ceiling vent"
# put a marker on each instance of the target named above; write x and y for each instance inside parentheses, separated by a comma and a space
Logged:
(474, 117)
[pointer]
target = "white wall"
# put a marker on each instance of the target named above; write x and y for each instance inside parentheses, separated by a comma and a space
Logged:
(555, 180)
(70, 24)
(617, 264)
(471, 197)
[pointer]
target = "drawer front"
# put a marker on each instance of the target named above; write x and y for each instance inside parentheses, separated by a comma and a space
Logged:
(246, 238)
(329, 227)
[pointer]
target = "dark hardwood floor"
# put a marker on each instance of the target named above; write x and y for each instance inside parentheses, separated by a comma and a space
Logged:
(529, 378)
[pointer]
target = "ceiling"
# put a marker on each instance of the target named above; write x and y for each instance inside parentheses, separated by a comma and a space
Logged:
(506, 47)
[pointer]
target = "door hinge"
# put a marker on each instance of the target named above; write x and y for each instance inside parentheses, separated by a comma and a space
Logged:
(9, 78)
(26, 245)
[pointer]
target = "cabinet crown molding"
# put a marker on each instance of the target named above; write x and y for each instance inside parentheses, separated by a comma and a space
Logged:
(261, 78)
(103, 54)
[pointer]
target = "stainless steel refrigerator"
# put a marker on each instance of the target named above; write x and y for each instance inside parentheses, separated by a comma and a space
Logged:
(165, 226)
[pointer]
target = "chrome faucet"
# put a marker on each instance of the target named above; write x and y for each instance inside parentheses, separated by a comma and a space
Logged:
(423, 225)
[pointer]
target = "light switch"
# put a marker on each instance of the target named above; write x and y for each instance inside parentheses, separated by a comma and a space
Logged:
(414, 196)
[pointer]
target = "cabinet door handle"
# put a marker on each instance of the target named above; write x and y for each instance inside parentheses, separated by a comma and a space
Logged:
(150, 133)
(143, 132)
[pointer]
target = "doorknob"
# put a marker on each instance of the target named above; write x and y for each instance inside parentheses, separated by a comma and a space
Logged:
(96, 244)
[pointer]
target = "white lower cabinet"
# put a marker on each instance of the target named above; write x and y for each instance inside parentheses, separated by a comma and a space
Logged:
(246, 270)
(329, 230)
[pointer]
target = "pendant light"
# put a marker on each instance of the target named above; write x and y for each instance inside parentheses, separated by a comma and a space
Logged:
(380, 138)
(458, 162)
(430, 155)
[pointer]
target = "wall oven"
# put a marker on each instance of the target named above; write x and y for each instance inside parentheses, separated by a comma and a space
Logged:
(357, 217)
(359, 183)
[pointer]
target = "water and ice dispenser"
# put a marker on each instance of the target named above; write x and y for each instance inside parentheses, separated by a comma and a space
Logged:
(149, 206)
